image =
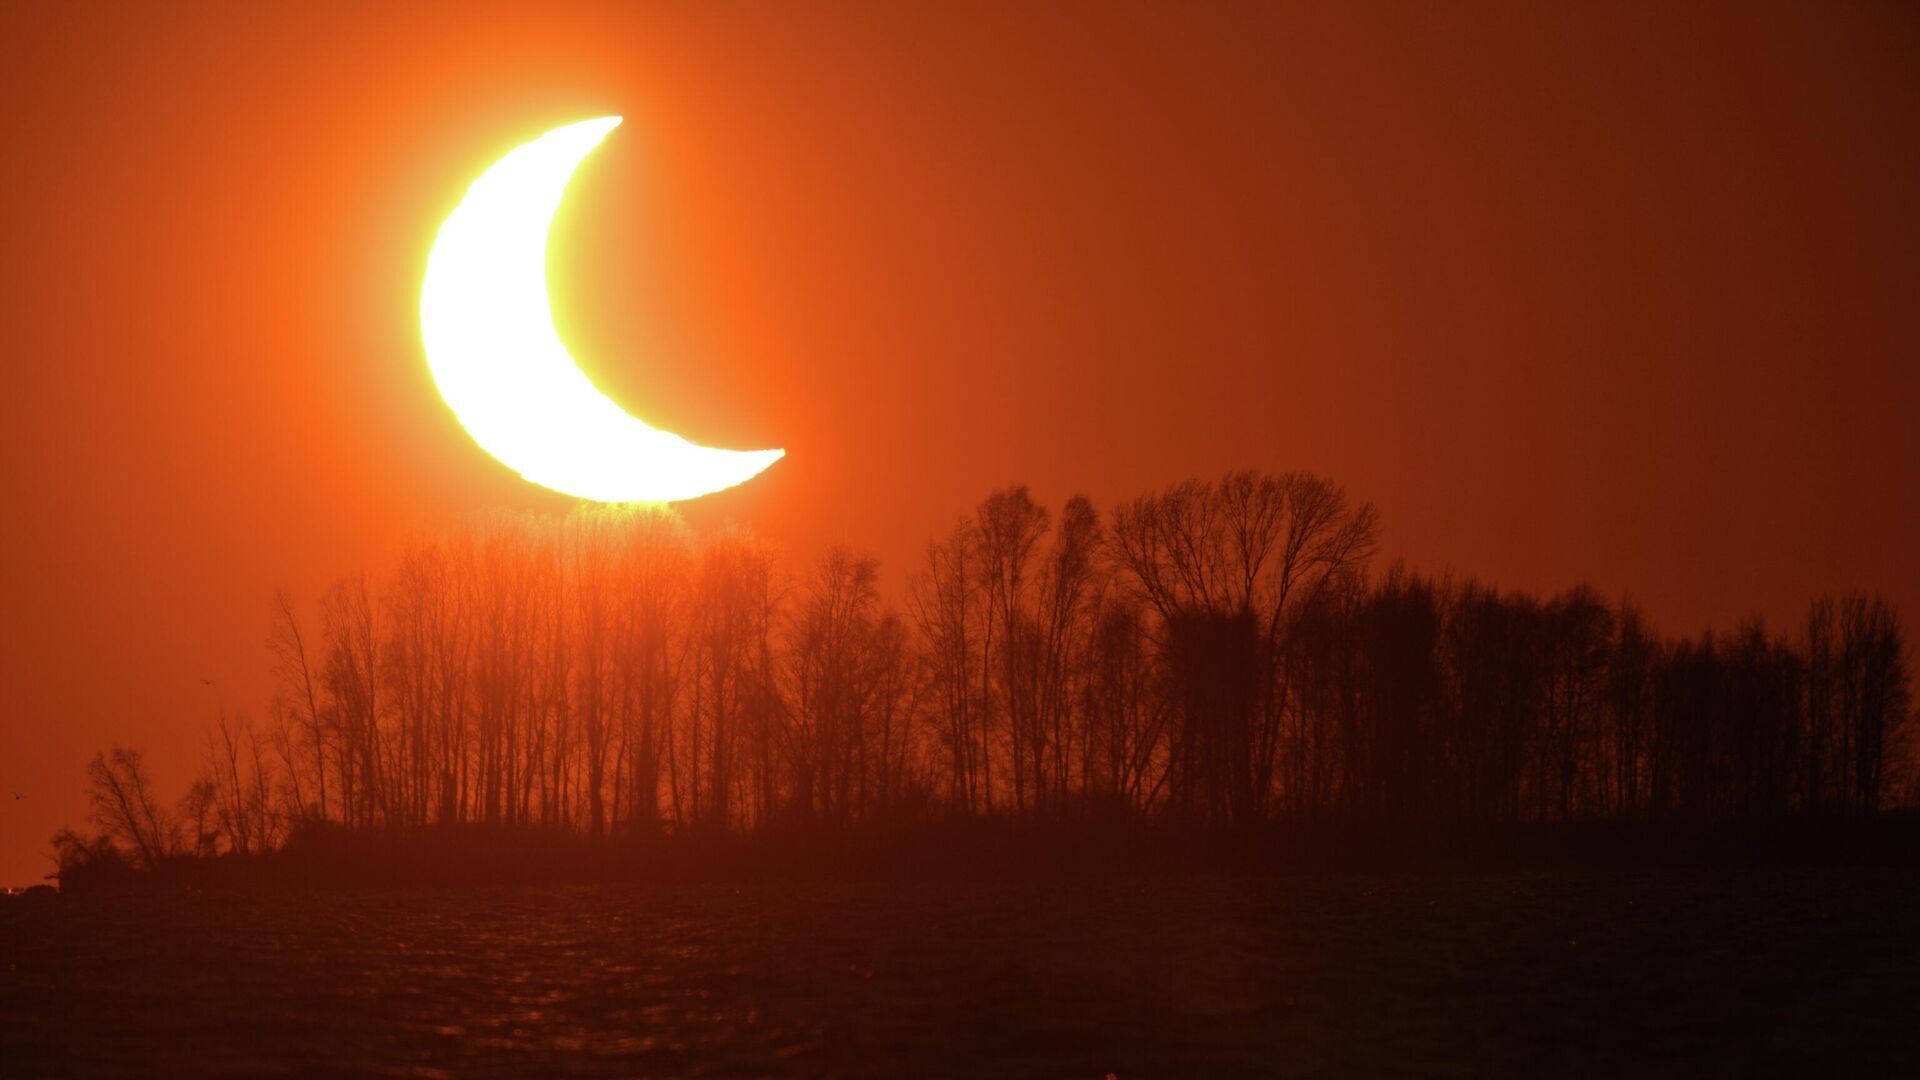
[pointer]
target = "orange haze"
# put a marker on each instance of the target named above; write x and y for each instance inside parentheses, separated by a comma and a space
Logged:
(1624, 295)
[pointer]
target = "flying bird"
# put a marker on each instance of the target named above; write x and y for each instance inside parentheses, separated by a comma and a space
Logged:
(206, 682)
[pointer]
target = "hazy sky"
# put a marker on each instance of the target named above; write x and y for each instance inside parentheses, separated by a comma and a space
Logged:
(1627, 295)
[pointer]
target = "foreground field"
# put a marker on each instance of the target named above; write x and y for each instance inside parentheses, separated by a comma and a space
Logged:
(1667, 972)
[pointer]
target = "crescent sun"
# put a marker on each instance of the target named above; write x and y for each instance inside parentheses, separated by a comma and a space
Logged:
(502, 368)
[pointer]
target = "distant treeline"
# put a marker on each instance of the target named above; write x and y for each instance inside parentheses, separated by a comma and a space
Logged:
(1212, 654)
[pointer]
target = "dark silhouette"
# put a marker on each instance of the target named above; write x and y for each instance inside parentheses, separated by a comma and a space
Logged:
(1218, 655)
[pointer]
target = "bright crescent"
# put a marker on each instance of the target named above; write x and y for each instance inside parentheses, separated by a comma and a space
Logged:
(502, 367)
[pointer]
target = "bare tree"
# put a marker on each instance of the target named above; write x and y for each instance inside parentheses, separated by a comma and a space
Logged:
(1578, 631)
(352, 677)
(198, 815)
(1874, 695)
(1068, 586)
(1629, 692)
(1216, 652)
(1224, 566)
(950, 614)
(125, 808)
(297, 687)
(1009, 525)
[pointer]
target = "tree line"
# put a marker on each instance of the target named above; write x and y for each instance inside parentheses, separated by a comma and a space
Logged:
(1216, 653)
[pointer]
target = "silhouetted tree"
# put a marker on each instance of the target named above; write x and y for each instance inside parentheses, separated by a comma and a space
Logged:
(1224, 567)
(297, 691)
(1009, 527)
(950, 614)
(1628, 707)
(125, 809)
(1874, 696)
(1219, 653)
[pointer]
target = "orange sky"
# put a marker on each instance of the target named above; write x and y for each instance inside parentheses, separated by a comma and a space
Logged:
(1628, 298)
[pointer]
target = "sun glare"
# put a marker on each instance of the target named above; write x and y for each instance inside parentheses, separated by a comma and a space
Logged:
(502, 368)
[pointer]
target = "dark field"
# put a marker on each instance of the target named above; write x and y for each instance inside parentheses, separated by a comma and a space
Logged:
(1669, 972)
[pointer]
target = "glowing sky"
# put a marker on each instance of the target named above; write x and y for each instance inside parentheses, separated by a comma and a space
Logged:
(1570, 292)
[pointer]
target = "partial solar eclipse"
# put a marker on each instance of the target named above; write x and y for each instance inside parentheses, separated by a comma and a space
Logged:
(502, 367)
